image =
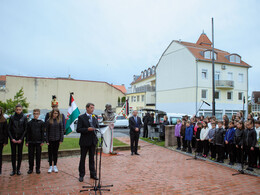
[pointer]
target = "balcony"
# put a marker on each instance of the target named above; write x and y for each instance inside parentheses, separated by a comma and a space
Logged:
(145, 88)
(224, 84)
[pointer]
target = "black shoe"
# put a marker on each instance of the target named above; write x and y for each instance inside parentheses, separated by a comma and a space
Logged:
(81, 179)
(29, 171)
(18, 173)
(231, 163)
(136, 153)
(12, 173)
(221, 161)
(250, 169)
(132, 153)
(38, 171)
(94, 177)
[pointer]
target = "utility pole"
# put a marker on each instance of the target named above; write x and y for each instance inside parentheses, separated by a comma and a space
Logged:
(213, 71)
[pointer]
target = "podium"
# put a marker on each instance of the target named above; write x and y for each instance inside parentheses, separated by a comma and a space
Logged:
(107, 132)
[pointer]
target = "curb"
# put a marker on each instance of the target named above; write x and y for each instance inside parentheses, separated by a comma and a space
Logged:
(64, 153)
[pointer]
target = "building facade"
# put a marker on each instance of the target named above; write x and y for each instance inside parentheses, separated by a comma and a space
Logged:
(141, 94)
(184, 79)
(255, 103)
(39, 91)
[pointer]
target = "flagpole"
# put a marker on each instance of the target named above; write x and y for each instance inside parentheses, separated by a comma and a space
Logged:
(213, 70)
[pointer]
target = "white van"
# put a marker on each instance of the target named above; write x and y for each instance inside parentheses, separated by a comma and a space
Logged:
(173, 117)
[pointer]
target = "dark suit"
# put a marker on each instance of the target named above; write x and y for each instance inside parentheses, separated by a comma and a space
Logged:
(87, 142)
(134, 135)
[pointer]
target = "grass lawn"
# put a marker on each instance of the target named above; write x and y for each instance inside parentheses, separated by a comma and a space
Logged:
(156, 142)
(68, 143)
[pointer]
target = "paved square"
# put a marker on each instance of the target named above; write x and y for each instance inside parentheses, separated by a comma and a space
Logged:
(156, 171)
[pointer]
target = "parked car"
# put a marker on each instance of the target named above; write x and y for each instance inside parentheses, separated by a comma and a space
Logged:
(121, 121)
(100, 119)
(173, 117)
(41, 117)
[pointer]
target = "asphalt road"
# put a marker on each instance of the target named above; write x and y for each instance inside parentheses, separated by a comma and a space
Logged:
(118, 132)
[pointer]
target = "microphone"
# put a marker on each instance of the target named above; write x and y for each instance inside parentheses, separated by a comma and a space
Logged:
(206, 103)
(97, 130)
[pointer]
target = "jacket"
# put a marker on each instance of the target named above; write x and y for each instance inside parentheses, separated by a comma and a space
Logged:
(189, 133)
(219, 136)
(212, 135)
(178, 130)
(87, 138)
(17, 128)
(183, 128)
(204, 134)
(229, 136)
(62, 118)
(239, 137)
(3, 133)
(198, 133)
(55, 131)
(133, 124)
(249, 138)
(35, 131)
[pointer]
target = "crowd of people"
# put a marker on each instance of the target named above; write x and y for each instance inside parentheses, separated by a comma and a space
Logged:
(236, 139)
(34, 133)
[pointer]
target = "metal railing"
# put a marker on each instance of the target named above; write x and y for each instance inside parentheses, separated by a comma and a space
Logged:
(224, 84)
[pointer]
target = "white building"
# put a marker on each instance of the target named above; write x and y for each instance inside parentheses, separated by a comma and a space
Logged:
(184, 79)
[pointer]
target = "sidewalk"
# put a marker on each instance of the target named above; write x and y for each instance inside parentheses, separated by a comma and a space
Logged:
(156, 171)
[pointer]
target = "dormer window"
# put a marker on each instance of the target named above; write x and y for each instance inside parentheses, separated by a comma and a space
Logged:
(145, 73)
(208, 54)
(142, 74)
(149, 72)
(234, 58)
(153, 69)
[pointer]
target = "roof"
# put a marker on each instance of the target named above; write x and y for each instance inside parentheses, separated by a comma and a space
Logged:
(121, 88)
(140, 78)
(204, 44)
(70, 79)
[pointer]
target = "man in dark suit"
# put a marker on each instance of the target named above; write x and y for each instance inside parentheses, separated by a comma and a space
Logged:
(87, 124)
(135, 124)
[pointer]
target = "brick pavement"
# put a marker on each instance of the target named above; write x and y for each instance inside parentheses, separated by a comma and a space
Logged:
(156, 171)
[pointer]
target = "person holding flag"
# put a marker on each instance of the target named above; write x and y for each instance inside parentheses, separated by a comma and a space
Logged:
(73, 114)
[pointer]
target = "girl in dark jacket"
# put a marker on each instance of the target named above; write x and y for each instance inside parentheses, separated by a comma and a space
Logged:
(184, 143)
(239, 140)
(54, 137)
(3, 135)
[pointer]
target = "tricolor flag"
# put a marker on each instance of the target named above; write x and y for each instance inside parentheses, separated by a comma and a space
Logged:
(73, 114)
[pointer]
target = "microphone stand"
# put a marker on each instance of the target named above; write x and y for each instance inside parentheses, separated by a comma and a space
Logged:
(97, 184)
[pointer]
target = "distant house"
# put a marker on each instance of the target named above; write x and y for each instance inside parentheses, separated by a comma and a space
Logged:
(255, 101)
(184, 79)
(142, 91)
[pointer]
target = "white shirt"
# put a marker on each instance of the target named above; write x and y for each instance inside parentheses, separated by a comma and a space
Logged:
(204, 134)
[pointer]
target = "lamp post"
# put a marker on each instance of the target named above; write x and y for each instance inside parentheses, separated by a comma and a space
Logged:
(213, 71)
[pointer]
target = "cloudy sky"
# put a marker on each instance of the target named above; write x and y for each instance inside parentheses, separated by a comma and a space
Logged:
(111, 40)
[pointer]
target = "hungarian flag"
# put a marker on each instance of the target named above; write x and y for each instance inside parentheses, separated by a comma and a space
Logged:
(73, 114)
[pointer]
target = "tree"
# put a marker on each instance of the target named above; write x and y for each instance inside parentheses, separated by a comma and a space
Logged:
(9, 105)
(123, 99)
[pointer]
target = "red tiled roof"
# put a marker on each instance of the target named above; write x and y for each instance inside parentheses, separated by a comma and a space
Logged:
(204, 40)
(2, 78)
(197, 49)
(121, 88)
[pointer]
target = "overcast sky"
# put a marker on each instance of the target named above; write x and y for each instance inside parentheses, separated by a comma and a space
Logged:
(111, 40)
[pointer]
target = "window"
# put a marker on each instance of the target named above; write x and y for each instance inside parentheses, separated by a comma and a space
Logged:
(240, 95)
(230, 76)
(132, 98)
(217, 75)
(138, 98)
(235, 58)
(217, 95)
(208, 55)
(204, 74)
(229, 95)
(142, 98)
(142, 75)
(153, 69)
(240, 78)
(204, 93)
(149, 72)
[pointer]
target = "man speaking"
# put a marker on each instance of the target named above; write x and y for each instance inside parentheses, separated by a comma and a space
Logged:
(135, 124)
(87, 124)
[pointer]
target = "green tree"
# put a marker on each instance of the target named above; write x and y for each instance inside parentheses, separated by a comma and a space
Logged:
(9, 105)
(123, 99)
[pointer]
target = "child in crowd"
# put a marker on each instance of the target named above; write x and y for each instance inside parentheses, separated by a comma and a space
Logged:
(3, 135)
(35, 140)
(177, 133)
(249, 143)
(239, 141)
(219, 141)
(54, 137)
(257, 151)
(189, 135)
(229, 141)
(212, 141)
(184, 143)
(17, 131)
(198, 141)
(205, 138)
